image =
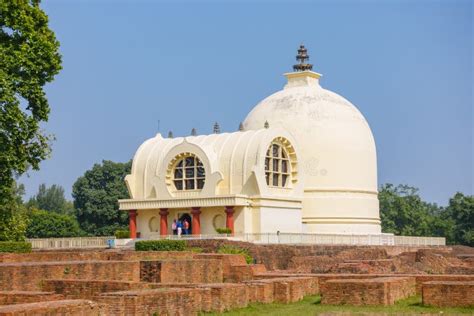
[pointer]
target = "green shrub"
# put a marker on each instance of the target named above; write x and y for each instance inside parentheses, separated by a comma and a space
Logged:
(45, 224)
(224, 230)
(227, 249)
(160, 245)
(122, 234)
(15, 246)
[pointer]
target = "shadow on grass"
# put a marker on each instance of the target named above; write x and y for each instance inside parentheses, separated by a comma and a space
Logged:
(317, 301)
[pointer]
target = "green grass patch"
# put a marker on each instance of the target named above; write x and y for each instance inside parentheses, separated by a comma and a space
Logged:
(228, 249)
(15, 246)
(311, 305)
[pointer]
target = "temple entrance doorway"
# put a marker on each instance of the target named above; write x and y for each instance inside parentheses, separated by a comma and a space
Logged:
(187, 217)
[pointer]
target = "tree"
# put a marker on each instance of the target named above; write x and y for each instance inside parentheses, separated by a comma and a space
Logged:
(51, 199)
(13, 220)
(461, 211)
(45, 224)
(403, 212)
(96, 196)
(29, 59)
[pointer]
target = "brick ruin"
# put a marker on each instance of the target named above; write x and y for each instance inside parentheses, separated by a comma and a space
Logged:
(126, 282)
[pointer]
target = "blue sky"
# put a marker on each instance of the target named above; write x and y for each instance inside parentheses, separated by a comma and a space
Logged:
(127, 65)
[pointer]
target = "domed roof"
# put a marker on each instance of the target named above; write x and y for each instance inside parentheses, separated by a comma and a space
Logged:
(307, 101)
(337, 157)
(336, 143)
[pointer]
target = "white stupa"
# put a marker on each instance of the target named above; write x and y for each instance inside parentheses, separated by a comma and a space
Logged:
(304, 160)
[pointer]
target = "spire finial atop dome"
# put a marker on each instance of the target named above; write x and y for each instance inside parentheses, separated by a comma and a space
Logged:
(217, 128)
(302, 57)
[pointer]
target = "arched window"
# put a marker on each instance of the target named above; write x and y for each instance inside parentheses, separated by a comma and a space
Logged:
(189, 174)
(277, 166)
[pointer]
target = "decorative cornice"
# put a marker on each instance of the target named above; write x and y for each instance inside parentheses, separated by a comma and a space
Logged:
(236, 200)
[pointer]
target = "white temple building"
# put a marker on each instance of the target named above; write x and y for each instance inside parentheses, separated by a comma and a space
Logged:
(304, 160)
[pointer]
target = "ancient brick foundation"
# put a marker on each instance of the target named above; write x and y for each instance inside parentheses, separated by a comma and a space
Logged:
(28, 276)
(113, 282)
(20, 297)
(448, 293)
(178, 301)
(64, 307)
(182, 271)
(376, 291)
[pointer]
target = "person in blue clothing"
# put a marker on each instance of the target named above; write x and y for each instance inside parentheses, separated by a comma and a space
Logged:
(179, 226)
(186, 226)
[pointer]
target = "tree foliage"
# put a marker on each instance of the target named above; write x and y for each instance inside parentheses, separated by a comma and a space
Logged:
(461, 211)
(96, 196)
(403, 212)
(51, 199)
(13, 217)
(45, 224)
(29, 59)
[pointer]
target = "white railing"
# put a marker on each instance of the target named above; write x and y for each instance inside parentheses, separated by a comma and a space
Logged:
(419, 241)
(73, 242)
(317, 239)
(262, 238)
(334, 239)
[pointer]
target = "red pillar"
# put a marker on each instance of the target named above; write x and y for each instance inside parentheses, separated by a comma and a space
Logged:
(164, 221)
(132, 216)
(229, 223)
(196, 225)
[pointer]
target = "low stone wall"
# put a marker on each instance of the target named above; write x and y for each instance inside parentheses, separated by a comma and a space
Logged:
(27, 276)
(93, 255)
(448, 293)
(21, 297)
(283, 289)
(420, 279)
(261, 291)
(219, 297)
(324, 277)
(88, 289)
(226, 296)
(178, 301)
(182, 271)
(64, 307)
(377, 291)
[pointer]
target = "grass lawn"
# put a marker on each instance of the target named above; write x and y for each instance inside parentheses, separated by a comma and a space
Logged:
(311, 305)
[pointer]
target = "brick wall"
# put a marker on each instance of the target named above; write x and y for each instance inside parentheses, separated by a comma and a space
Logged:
(260, 291)
(377, 291)
(419, 278)
(93, 255)
(228, 261)
(448, 293)
(182, 271)
(226, 296)
(64, 307)
(88, 289)
(28, 276)
(161, 301)
(20, 297)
